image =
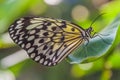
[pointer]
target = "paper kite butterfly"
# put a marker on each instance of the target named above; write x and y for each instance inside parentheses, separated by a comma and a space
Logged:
(48, 41)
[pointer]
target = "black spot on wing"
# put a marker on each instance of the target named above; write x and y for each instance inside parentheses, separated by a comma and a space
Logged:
(45, 47)
(26, 21)
(45, 34)
(72, 29)
(44, 27)
(41, 41)
(63, 24)
(62, 38)
(54, 28)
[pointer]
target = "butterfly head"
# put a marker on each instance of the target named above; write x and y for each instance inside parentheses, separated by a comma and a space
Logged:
(89, 31)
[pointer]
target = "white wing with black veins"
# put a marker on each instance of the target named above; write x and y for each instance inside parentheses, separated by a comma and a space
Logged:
(47, 41)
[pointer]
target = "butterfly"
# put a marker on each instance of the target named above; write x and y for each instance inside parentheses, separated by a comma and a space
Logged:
(46, 40)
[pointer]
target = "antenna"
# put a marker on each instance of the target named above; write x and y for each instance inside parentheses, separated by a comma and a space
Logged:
(96, 19)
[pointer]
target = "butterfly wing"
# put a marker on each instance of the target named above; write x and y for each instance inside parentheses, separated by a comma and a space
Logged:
(47, 41)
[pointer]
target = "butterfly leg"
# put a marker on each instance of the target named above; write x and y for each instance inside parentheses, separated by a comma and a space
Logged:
(98, 34)
(87, 42)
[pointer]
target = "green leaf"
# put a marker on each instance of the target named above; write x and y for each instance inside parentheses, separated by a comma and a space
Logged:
(97, 46)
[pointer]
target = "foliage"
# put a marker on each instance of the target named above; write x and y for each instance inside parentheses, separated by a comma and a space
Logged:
(105, 68)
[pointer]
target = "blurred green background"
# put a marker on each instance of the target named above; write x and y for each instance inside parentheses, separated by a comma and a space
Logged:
(14, 62)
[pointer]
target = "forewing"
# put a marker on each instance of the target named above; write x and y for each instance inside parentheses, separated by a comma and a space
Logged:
(47, 41)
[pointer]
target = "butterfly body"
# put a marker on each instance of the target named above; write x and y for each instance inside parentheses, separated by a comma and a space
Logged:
(48, 41)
